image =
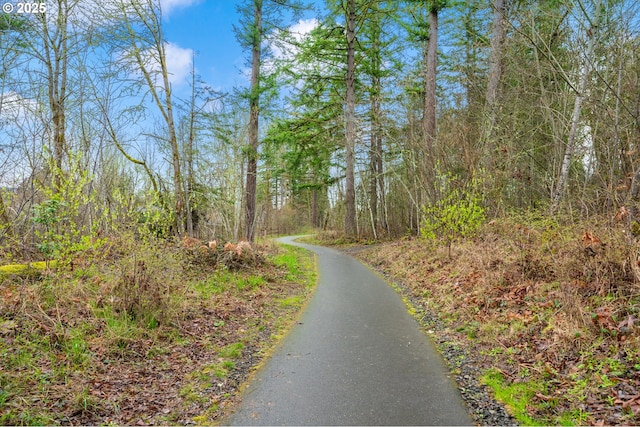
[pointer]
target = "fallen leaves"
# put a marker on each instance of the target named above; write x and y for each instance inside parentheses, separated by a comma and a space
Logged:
(604, 320)
(168, 373)
(631, 403)
(538, 312)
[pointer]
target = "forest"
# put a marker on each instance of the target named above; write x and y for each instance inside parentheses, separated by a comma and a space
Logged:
(379, 112)
(434, 124)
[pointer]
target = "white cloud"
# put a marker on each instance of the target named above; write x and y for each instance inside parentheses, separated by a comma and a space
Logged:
(284, 45)
(14, 107)
(178, 62)
(303, 27)
(295, 34)
(169, 6)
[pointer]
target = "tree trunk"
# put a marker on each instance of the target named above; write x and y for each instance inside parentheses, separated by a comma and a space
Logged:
(621, 146)
(315, 217)
(350, 118)
(382, 211)
(563, 177)
(375, 161)
(189, 152)
(495, 75)
(56, 60)
(495, 61)
(254, 113)
(150, 17)
(173, 137)
(430, 102)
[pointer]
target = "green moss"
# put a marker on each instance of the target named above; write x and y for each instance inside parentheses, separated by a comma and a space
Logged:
(29, 269)
(208, 417)
(190, 393)
(217, 370)
(516, 396)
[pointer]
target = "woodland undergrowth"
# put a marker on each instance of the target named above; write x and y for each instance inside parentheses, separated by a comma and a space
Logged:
(552, 309)
(124, 331)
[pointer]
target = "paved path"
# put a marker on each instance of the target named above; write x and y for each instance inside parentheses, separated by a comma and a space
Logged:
(356, 358)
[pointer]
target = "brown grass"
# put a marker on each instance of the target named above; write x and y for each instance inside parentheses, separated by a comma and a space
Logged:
(135, 333)
(540, 304)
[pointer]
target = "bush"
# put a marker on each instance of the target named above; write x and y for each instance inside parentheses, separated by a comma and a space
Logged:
(457, 214)
(145, 283)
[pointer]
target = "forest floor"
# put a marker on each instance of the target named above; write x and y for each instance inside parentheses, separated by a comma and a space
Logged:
(127, 333)
(543, 315)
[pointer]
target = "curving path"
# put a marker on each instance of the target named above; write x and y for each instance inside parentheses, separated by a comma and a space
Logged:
(356, 358)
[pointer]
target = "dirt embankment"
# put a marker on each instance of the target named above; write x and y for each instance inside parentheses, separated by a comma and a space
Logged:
(143, 334)
(545, 316)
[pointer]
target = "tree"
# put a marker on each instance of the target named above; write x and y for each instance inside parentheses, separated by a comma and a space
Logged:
(256, 36)
(12, 28)
(146, 51)
(251, 34)
(375, 45)
(495, 73)
(311, 136)
(299, 151)
(350, 226)
(55, 56)
(580, 93)
(430, 100)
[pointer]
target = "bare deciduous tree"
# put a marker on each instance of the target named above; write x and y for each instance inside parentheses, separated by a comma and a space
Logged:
(147, 51)
(592, 34)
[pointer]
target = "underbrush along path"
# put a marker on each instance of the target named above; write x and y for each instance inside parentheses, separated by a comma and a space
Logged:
(355, 358)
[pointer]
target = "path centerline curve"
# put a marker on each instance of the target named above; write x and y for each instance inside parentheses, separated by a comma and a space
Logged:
(355, 358)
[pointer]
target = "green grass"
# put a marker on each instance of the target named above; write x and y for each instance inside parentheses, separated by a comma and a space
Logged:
(518, 397)
(25, 417)
(299, 263)
(214, 285)
(121, 330)
(92, 312)
(251, 283)
(572, 418)
(223, 280)
(21, 376)
(232, 351)
(294, 301)
(75, 346)
(290, 261)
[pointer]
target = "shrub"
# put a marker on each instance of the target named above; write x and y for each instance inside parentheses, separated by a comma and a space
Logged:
(145, 285)
(457, 214)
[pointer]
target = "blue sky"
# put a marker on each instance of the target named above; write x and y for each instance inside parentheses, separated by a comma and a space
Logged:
(206, 28)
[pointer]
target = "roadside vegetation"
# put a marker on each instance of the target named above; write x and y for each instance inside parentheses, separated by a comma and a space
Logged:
(549, 308)
(142, 332)
(355, 119)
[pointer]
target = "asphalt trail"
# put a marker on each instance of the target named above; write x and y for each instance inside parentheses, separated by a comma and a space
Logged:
(356, 358)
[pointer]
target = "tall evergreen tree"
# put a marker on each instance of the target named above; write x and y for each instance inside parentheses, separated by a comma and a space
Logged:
(258, 19)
